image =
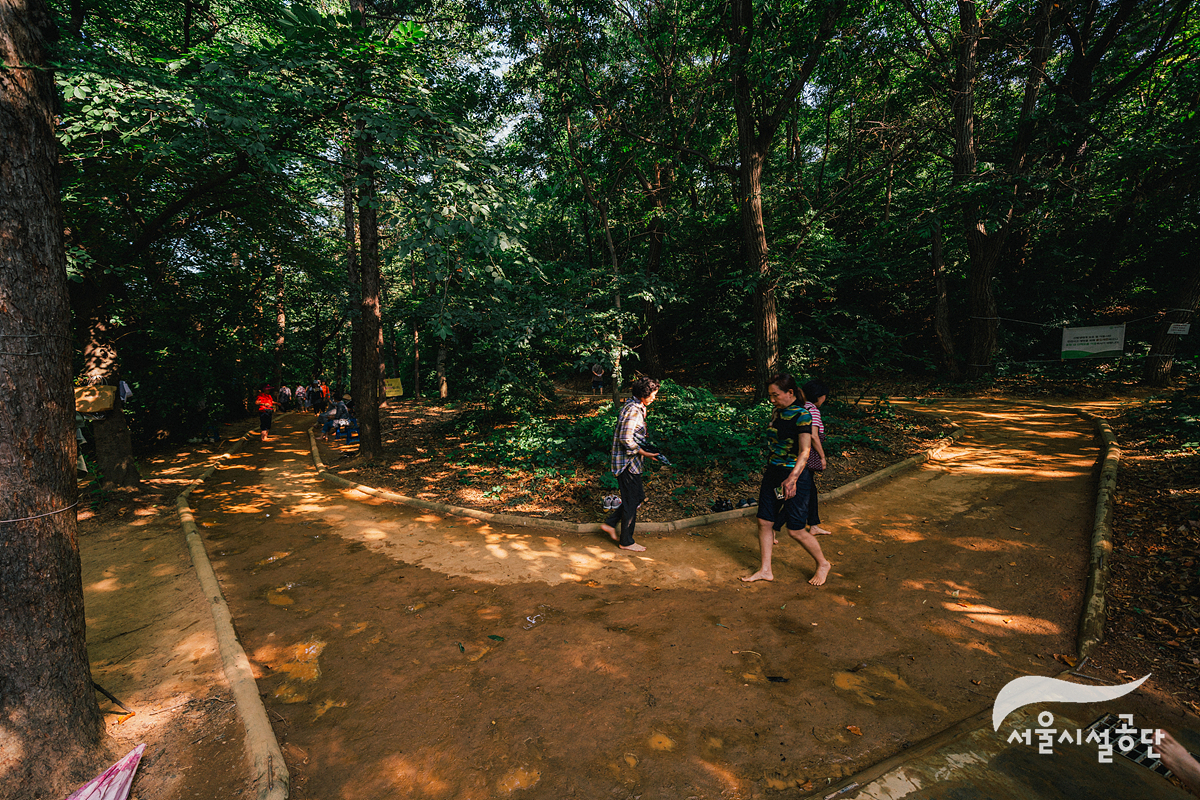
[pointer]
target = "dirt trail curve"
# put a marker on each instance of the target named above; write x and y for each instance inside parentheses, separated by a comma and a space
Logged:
(404, 654)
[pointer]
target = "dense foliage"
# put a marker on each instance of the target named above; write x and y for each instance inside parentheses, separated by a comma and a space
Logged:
(697, 430)
(563, 186)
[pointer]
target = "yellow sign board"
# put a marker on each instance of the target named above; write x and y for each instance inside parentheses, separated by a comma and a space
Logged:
(393, 387)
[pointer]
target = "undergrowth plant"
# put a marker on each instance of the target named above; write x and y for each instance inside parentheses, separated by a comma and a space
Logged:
(695, 429)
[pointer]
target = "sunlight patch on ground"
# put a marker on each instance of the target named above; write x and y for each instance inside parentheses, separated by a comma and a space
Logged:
(106, 585)
(1009, 622)
(722, 774)
(416, 778)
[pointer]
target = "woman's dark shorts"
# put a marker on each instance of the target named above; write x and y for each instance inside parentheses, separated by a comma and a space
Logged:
(794, 511)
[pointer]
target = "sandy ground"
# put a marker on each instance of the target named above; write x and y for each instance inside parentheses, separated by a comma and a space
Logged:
(405, 654)
(152, 645)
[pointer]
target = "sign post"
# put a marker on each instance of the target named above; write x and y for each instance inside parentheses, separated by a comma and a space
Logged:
(393, 387)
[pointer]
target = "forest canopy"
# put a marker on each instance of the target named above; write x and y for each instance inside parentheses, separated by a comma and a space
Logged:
(487, 198)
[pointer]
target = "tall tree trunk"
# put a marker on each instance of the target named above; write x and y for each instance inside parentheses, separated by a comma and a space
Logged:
(984, 247)
(350, 233)
(443, 386)
(755, 130)
(368, 378)
(614, 263)
(280, 321)
(416, 337)
(49, 720)
(657, 190)
(941, 313)
(1162, 352)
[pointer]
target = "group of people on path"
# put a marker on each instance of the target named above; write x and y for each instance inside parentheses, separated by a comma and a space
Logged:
(315, 398)
(788, 494)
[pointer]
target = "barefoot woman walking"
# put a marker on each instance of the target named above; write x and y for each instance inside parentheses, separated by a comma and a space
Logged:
(788, 441)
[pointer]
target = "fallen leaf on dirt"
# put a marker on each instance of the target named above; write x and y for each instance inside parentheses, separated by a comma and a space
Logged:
(974, 681)
(1015, 528)
(854, 729)
(1068, 660)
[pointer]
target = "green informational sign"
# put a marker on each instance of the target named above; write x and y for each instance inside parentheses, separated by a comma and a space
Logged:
(1104, 341)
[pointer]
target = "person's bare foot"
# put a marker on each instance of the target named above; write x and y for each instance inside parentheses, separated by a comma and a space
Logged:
(817, 530)
(822, 574)
(759, 576)
(611, 531)
(635, 547)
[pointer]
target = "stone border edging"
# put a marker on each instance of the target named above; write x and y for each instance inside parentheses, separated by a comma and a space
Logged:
(1095, 604)
(270, 773)
(594, 527)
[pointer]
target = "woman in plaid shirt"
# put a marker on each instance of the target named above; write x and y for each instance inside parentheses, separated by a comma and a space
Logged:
(627, 454)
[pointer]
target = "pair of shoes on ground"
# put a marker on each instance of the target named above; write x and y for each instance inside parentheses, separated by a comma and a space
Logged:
(724, 504)
(610, 502)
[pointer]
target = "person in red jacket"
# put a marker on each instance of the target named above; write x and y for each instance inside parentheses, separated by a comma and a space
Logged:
(266, 407)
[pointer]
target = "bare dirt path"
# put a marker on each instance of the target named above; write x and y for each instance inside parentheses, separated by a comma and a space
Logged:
(404, 654)
(152, 645)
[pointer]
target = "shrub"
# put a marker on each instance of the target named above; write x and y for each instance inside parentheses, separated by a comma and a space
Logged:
(695, 429)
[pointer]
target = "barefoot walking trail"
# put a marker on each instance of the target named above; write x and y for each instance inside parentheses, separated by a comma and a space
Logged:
(402, 653)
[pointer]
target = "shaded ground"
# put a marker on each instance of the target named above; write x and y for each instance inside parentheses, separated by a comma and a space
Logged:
(152, 645)
(413, 655)
(403, 654)
(421, 442)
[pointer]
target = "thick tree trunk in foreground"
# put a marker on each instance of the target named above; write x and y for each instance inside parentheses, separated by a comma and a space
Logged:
(49, 720)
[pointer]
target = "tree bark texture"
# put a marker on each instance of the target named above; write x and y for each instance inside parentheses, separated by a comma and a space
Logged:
(657, 190)
(416, 337)
(443, 386)
(114, 445)
(984, 247)
(756, 127)
(1157, 371)
(614, 261)
(49, 719)
(368, 378)
(280, 321)
(941, 311)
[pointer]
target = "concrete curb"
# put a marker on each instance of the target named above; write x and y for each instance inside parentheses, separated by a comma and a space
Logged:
(269, 772)
(594, 527)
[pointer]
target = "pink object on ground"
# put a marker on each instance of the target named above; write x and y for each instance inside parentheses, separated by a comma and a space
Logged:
(114, 782)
